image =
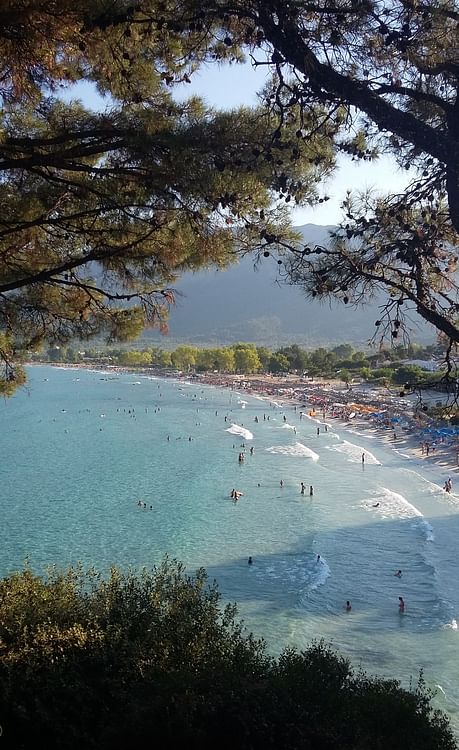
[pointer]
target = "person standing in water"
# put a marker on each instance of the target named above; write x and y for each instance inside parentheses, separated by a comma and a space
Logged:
(250, 561)
(347, 606)
(302, 488)
(401, 605)
(311, 490)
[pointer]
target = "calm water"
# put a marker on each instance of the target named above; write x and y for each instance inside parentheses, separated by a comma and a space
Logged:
(79, 450)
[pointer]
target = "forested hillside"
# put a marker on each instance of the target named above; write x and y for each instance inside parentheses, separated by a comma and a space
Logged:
(248, 303)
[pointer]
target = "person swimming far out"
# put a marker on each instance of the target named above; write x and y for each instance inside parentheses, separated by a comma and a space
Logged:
(348, 606)
(250, 561)
(398, 573)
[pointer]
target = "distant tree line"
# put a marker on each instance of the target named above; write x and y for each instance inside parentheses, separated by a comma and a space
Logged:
(342, 362)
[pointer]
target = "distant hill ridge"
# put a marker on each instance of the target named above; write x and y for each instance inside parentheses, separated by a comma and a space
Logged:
(247, 304)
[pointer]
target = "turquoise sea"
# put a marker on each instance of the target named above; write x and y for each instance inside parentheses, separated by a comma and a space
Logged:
(79, 449)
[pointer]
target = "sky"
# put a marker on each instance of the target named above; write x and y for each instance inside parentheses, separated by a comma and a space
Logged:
(228, 86)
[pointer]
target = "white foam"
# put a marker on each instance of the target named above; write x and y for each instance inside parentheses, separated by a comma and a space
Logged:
(362, 434)
(354, 452)
(402, 455)
(394, 505)
(453, 626)
(298, 449)
(235, 429)
(286, 426)
(321, 573)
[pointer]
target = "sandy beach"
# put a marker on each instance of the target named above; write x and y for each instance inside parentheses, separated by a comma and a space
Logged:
(383, 413)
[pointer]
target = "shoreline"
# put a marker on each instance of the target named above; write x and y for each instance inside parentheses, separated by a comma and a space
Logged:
(371, 410)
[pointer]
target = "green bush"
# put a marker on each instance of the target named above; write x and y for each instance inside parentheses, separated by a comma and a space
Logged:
(151, 659)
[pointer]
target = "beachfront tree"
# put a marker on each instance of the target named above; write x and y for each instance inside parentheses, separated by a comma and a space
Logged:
(184, 357)
(409, 374)
(298, 358)
(321, 361)
(162, 358)
(110, 186)
(224, 359)
(246, 358)
(134, 358)
(205, 359)
(278, 363)
(345, 376)
(136, 659)
(343, 351)
(264, 355)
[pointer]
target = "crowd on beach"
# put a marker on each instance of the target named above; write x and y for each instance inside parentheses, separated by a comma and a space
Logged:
(395, 418)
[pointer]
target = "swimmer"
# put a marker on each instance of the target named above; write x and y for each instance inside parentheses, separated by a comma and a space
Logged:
(375, 505)
(249, 561)
(401, 605)
(318, 559)
(347, 606)
(398, 573)
(281, 482)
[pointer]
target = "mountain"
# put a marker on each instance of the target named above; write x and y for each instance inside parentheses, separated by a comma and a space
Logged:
(243, 303)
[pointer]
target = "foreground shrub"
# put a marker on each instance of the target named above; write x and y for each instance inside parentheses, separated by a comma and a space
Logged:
(151, 659)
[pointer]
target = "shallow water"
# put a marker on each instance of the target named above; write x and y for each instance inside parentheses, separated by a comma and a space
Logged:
(80, 449)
